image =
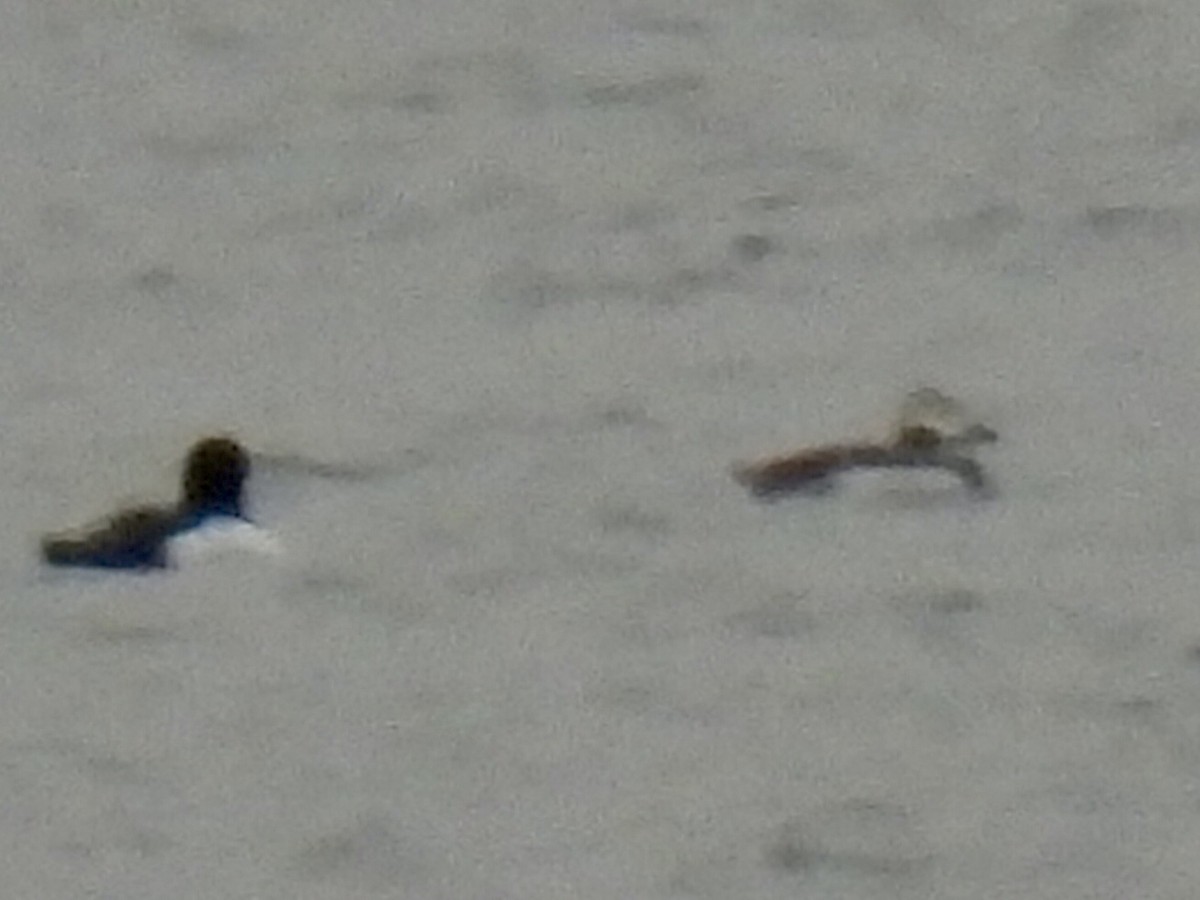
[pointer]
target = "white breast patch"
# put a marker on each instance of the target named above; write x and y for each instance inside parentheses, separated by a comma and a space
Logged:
(221, 537)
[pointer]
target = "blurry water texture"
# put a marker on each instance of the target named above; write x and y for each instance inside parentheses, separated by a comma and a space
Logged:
(499, 292)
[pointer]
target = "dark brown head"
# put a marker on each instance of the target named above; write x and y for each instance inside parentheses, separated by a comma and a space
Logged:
(213, 475)
(918, 437)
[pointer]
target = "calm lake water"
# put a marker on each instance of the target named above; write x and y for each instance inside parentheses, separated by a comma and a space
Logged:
(500, 292)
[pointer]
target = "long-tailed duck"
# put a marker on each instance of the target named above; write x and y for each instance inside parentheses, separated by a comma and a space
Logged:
(931, 432)
(210, 510)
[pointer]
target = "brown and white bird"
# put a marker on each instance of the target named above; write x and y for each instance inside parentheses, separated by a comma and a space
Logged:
(931, 431)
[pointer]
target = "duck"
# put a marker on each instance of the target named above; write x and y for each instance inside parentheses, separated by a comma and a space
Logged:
(147, 537)
(931, 431)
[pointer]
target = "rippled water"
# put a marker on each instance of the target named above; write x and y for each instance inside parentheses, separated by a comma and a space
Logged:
(499, 294)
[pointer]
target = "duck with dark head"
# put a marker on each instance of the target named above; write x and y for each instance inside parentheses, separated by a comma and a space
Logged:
(214, 477)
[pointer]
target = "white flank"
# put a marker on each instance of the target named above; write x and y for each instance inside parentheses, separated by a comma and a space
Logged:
(221, 537)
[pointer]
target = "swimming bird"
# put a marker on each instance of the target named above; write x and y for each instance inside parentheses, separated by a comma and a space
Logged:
(930, 432)
(146, 537)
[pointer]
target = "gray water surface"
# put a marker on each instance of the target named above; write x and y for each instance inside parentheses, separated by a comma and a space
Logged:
(520, 281)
